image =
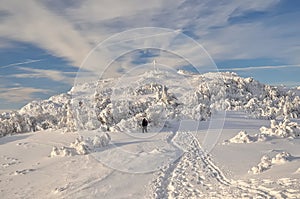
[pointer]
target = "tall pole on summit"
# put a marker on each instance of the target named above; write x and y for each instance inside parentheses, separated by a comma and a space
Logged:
(154, 65)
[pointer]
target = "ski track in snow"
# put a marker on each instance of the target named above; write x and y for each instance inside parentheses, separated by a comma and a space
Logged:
(87, 184)
(194, 175)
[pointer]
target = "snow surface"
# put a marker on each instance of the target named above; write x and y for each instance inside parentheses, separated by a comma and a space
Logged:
(182, 156)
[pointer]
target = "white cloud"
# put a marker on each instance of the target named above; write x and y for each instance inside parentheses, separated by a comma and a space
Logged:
(72, 30)
(251, 68)
(19, 94)
(93, 11)
(289, 84)
(251, 41)
(29, 21)
(58, 76)
(4, 110)
(4, 43)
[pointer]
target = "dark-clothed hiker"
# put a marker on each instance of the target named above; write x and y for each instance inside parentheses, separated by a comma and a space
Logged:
(144, 125)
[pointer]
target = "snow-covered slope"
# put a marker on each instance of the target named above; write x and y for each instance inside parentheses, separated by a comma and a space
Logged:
(118, 104)
(109, 159)
(27, 169)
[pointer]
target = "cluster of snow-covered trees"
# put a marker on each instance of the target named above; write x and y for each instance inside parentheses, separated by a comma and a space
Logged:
(108, 107)
(36, 115)
(283, 129)
(153, 101)
(247, 94)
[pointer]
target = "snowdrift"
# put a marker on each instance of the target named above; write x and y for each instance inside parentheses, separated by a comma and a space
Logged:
(82, 146)
(105, 106)
(266, 162)
(284, 129)
(244, 137)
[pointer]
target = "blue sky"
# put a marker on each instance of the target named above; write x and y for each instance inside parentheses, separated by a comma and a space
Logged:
(44, 43)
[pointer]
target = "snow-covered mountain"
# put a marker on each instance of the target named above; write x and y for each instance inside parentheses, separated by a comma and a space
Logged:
(230, 155)
(118, 104)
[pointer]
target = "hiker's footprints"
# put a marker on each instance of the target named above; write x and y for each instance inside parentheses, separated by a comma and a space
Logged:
(26, 145)
(9, 161)
(12, 164)
(23, 172)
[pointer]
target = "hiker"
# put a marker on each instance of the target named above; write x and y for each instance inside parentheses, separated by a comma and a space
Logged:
(144, 125)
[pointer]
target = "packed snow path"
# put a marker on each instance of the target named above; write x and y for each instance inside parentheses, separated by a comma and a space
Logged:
(194, 175)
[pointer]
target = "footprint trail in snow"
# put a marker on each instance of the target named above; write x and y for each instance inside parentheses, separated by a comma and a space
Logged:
(194, 175)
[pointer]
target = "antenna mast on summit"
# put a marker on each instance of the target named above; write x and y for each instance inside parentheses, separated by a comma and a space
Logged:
(154, 65)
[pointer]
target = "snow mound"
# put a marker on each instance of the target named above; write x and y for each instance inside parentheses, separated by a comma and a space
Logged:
(241, 137)
(244, 137)
(82, 146)
(284, 129)
(266, 162)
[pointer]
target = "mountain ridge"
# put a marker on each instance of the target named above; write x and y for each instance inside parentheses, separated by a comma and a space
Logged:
(118, 104)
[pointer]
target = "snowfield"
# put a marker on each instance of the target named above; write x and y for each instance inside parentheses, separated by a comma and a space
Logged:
(214, 135)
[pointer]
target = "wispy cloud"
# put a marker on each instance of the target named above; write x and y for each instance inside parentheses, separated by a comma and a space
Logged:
(20, 63)
(289, 84)
(71, 29)
(252, 68)
(33, 23)
(20, 94)
(252, 41)
(55, 75)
